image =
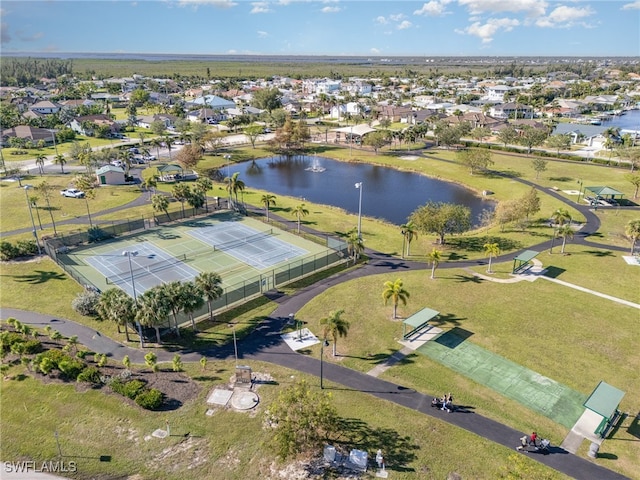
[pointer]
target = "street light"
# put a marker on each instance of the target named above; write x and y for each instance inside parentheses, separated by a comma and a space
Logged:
(129, 254)
(228, 159)
(359, 187)
(580, 192)
(235, 344)
(324, 343)
(35, 233)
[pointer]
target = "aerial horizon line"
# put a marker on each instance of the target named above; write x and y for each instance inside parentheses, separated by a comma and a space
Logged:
(321, 55)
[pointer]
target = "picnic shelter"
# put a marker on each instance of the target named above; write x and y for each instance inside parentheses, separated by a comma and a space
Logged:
(604, 401)
(524, 260)
(417, 321)
(606, 193)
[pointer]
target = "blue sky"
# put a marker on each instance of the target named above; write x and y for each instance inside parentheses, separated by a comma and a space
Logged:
(324, 27)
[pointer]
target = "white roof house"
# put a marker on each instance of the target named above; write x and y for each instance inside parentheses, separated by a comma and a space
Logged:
(214, 102)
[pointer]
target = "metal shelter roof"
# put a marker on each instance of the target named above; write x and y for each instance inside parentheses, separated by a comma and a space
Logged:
(169, 168)
(417, 320)
(604, 400)
(526, 256)
(356, 131)
(604, 191)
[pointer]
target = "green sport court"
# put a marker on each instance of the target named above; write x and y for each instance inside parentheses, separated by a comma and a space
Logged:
(240, 249)
(533, 390)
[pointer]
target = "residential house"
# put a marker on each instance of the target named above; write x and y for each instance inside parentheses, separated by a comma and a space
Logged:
(212, 101)
(86, 124)
(168, 120)
(206, 115)
(496, 93)
(110, 175)
(511, 110)
(45, 107)
(590, 135)
(395, 113)
(26, 132)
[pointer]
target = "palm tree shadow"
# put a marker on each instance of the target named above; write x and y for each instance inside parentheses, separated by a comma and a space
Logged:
(468, 279)
(39, 276)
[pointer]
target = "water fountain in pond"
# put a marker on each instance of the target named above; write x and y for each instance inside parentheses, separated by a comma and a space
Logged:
(315, 166)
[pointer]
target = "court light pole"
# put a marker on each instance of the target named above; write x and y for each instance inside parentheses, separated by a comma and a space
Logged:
(235, 343)
(228, 159)
(324, 343)
(359, 187)
(129, 254)
(35, 232)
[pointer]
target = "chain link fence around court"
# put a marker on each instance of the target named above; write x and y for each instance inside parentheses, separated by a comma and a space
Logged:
(233, 294)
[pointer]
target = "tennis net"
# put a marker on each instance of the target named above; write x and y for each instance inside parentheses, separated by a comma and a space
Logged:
(242, 241)
(147, 270)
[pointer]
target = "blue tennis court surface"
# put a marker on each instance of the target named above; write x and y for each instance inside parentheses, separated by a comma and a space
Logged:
(260, 250)
(150, 266)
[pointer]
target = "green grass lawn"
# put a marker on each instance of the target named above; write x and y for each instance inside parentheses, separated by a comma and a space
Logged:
(15, 211)
(229, 444)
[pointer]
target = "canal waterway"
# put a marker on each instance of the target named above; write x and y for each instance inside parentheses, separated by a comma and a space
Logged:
(387, 193)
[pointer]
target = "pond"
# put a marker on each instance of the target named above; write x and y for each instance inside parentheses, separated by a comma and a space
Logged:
(387, 193)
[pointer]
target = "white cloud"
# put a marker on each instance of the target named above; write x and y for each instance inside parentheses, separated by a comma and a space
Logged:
(396, 17)
(381, 20)
(330, 9)
(262, 34)
(434, 8)
(404, 25)
(374, 50)
(487, 31)
(215, 3)
(532, 8)
(260, 7)
(563, 16)
(632, 6)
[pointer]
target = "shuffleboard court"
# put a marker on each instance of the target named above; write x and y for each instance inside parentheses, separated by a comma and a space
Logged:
(150, 266)
(259, 249)
(533, 390)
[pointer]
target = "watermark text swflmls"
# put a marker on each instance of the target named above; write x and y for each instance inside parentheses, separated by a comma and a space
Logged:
(32, 466)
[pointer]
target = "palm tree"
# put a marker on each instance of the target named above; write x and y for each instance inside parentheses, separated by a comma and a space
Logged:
(492, 250)
(60, 160)
(565, 231)
(268, 200)
(434, 257)
(210, 285)
(181, 192)
(160, 203)
(355, 245)
(40, 158)
(152, 310)
(115, 305)
(335, 326)
(150, 183)
(192, 300)
(300, 211)
(174, 296)
(234, 185)
(632, 230)
(559, 217)
(395, 292)
(157, 142)
(45, 189)
(202, 186)
(409, 233)
(87, 184)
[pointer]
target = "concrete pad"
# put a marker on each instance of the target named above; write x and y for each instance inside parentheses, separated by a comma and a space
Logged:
(298, 340)
(422, 337)
(219, 397)
(572, 442)
(243, 400)
(410, 158)
(159, 433)
(632, 260)
(571, 192)
(587, 424)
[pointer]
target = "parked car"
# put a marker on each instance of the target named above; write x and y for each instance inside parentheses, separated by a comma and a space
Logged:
(72, 193)
(148, 158)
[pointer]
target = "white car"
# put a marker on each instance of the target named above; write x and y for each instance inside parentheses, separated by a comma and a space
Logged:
(72, 193)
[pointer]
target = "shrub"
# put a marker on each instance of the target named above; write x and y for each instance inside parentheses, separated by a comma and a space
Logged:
(81, 354)
(96, 234)
(7, 251)
(150, 399)
(26, 248)
(130, 389)
(90, 375)
(86, 302)
(31, 347)
(71, 368)
(8, 339)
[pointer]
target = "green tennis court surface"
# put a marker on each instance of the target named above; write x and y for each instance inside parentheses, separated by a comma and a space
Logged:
(535, 391)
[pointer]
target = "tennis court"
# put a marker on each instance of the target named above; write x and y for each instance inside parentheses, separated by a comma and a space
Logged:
(140, 267)
(533, 390)
(250, 256)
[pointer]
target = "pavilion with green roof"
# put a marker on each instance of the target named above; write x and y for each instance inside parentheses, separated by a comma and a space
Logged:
(417, 321)
(524, 260)
(604, 401)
